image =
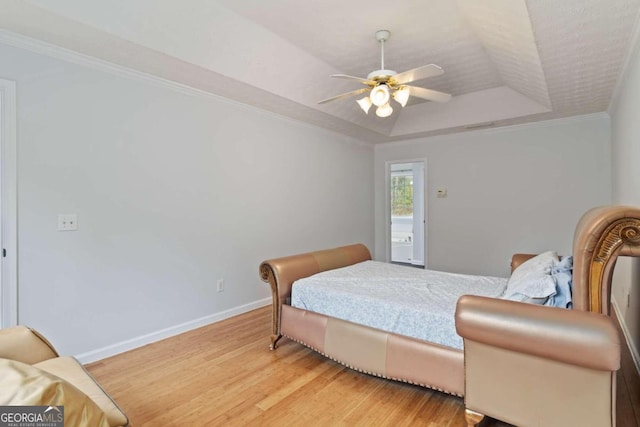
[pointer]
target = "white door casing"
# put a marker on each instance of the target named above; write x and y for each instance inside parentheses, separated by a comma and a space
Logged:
(8, 205)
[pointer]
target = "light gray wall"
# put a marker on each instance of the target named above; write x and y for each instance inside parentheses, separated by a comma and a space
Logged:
(173, 190)
(625, 139)
(517, 189)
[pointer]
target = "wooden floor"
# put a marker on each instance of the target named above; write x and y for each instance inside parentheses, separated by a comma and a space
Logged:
(224, 375)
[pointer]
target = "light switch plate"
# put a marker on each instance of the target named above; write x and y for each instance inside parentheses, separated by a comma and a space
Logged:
(67, 222)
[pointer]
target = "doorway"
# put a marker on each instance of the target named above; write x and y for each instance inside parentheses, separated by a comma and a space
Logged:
(406, 210)
(8, 206)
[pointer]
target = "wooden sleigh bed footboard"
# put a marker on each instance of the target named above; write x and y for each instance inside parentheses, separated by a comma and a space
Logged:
(601, 236)
(280, 273)
(376, 352)
(358, 347)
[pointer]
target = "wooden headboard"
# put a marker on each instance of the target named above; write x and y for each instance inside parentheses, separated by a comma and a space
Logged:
(602, 234)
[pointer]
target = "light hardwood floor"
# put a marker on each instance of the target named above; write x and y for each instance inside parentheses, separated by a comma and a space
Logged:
(224, 375)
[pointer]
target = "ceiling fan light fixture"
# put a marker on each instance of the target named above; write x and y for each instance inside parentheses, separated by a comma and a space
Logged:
(380, 95)
(384, 110)
(384, 84)
(365, 103)
(401, 95)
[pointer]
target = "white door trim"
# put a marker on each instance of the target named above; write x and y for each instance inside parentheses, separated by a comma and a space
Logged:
(8, 205)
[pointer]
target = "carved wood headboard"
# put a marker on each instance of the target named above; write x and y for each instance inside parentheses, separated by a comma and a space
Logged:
(602, 234)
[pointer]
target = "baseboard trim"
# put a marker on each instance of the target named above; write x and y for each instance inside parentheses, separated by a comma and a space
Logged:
(121, 347)
(627, 336)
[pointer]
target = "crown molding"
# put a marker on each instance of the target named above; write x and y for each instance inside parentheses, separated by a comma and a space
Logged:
(60, 53)
(500, 129)
(67, 55)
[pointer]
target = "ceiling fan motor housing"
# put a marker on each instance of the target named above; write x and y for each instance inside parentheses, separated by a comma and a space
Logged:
(381, 75)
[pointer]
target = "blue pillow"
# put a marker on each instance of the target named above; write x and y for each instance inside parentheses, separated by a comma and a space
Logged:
(562, 275)
(565, 264)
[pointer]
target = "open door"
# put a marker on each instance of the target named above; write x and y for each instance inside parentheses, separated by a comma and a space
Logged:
(407, 213)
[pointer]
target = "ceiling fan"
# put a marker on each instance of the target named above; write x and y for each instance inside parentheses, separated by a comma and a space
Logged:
(384, 85)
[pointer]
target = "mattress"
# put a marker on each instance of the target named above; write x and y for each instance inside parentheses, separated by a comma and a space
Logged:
(404, 300)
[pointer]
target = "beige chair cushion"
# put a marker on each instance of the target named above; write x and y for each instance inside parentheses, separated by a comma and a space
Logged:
(71, 370)
(25, 345)
(23, 384)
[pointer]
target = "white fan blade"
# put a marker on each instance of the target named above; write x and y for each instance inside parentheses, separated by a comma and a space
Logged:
(419, 73)
(429, 94)
(345, 95)
(360, 79)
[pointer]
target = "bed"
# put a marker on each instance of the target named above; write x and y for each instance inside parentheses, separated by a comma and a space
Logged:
(403, 300)
(601, 235)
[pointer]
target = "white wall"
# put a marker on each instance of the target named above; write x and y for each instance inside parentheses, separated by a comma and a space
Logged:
(173, 190)
(625, 140)
(517, 189)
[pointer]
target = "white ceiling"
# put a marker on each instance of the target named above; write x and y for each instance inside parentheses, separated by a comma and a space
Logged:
(505, 61)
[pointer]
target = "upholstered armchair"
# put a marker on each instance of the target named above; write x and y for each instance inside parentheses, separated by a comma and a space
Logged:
(32, 373)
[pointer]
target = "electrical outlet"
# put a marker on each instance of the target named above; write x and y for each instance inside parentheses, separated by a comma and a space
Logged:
(220, 285)
(67, 222)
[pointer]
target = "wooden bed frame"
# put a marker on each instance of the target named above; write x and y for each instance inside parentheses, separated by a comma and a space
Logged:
(601, 235)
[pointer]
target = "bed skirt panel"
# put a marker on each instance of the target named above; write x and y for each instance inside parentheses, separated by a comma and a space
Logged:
(425, 363)
(304, 326)
(377, 352)
(357, 346)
